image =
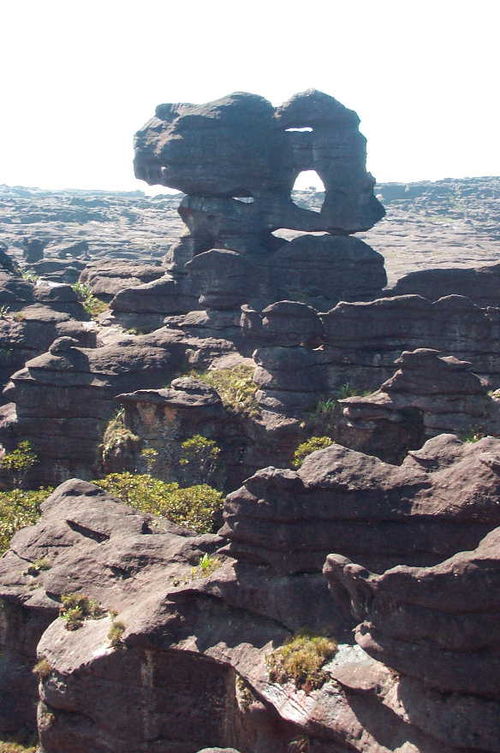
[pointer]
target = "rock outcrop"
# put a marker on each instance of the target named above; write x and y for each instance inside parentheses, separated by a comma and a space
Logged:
(237, 159)
(420, 674)
(429, 394)
(378, 514)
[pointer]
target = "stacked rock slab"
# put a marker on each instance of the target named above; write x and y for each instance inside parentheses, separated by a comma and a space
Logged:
(362, 340)
(429, 394)
(237, 159)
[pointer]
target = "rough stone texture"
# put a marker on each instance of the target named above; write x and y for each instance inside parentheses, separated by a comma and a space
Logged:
(377, 514)
(65, 397)
(237, 159)
(420, 678)
(33, 316)
(142, 693)
(429, 394)
(437, 627)
(33, 249)
(107, 278)
(362, 340)
(285, 322)
(163, 419)
(327, 269)
(144, 306)
(240, 146)
(481, 285)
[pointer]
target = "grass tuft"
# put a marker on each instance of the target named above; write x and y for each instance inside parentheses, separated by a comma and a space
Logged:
(300, 661)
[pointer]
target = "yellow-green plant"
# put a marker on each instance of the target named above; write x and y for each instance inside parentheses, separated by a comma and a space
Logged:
(149, 456)
(19, 461)
(92, 305)
(207, 565)
(310, 445)
(117, 435)
(199, 458)
(19, 508)
(14, 745)
(115, 633)
(235, 386)
(42, 668)
(76, 608)
(194, 506)
(300, 660)
(36, 567)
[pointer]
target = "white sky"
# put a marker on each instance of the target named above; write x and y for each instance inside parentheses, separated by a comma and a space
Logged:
(78, 78)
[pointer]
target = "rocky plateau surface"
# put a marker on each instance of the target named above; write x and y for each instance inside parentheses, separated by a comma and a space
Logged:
(331, 361)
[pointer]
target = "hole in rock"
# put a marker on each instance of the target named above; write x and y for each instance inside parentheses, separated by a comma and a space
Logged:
(244, 199)
(308, 191)
(306, 129)
(288, 233)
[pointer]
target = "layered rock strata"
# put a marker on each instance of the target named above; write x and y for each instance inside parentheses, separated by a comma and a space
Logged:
(428, 394)
(419, 675)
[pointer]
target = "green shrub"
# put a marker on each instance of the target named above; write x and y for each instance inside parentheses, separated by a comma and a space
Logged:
(235, 387)
(244, 693)
(30, 276)
(19, 461)
(92, 305)
(199, 458)
(76, 608)
(300, 660)
(323, 418)
(194, 507)
(116, 435)
(19, 508)
(473, 435)
(310, 445)
(115, 634)
(149, 456)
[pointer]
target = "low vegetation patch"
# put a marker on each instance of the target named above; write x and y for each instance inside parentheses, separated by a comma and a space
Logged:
(42, 668)
(235, 387)
(19, 508)
(310, 445)
(76, 608)
(348, 390)
(116, 435)
(324, 416)
(207, 565)
(13, 745)
(473, 435)
(115, 634)
(194, 506)
(300, 660)
(18, 462)
(92, 305)
(38, 566)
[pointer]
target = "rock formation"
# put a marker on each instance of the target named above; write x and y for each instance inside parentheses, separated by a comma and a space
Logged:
(429, 394)
(416, 559)
(237, 159)
(245, 335)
